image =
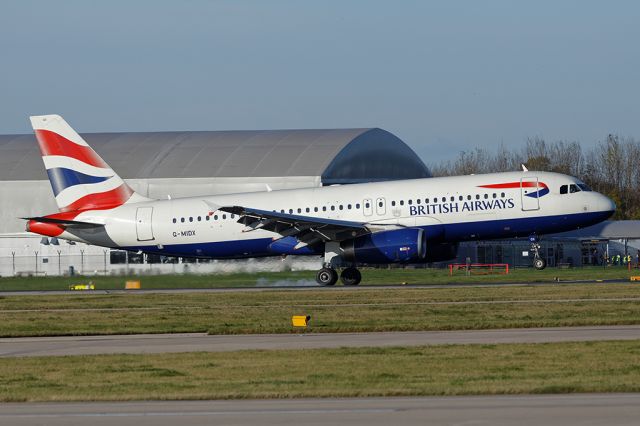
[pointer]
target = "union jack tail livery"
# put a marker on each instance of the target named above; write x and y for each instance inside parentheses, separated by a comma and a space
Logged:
(80, 179)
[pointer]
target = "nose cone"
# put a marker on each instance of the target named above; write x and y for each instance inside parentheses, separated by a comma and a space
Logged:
(606, 205)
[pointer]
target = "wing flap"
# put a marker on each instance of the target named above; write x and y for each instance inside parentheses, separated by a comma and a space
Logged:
(306, 229)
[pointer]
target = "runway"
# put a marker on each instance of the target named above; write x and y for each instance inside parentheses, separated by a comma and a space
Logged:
(194, 342)
(566, 410)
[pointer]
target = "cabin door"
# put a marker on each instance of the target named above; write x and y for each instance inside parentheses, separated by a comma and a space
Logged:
(529, 193)
(143, 223)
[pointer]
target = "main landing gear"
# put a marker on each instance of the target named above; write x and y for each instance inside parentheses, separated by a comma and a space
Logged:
(328, 276)
(538, 262)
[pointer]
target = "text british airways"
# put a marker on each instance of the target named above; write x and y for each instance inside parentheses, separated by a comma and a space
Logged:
(458, 207)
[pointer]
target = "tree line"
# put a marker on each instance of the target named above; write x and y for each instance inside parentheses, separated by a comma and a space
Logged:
(611, 167)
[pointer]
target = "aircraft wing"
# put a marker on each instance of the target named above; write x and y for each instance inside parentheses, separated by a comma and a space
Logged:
(307, 229)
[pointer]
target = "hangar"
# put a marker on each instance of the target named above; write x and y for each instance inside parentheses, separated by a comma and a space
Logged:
(182, 164)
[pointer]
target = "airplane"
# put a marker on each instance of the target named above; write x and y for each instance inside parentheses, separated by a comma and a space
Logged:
(403, 221)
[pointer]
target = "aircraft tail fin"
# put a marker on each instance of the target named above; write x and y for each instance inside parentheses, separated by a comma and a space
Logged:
(80, 178)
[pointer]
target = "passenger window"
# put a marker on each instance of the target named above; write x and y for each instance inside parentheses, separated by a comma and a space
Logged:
(315, 209)
(174, 220)
(357, 206)
(324, 208)
(349, 206)
(224, 216)
(340, 207)
(307, 210)
(495, 195)
(408, 202)
(215, 217)
(199, 218)
(299, 210)
(426, 201)
(460, 198)
(477, 196)
(444, 199)
(502, 194)
(468, 197)
(290, 211)
(333, 208)
(393, 203)
(190, 219)
(207, 217)
(486, 196)
(417, 200)
(367, 205)
(452, 199)
(232, 216)
(402, 202)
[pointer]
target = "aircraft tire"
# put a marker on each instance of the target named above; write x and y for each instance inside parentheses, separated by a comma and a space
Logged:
(350, 276)
(327, 277)
(539, 264)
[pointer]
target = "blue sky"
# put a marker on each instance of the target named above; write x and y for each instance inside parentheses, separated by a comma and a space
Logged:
(443, 76)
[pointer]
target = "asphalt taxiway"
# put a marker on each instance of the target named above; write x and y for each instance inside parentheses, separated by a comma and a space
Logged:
(194, 342)
(550, 410)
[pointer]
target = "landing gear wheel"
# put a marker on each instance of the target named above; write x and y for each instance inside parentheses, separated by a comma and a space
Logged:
(327, 276)
(350, 276)
(539, 263)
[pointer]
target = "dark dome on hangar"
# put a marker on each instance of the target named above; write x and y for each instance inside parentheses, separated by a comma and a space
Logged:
(336, 155)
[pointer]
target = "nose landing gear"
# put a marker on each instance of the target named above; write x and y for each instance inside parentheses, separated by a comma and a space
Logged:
(538, 262)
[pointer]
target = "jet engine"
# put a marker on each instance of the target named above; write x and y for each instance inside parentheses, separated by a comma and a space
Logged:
(399, 246)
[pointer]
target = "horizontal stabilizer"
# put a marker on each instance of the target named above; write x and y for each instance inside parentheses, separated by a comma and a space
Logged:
(65, 222)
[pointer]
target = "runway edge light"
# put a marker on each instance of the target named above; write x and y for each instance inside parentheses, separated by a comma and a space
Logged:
(300, 320)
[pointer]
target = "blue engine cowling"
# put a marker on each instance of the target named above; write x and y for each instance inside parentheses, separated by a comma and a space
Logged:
(287, 245)
(399, 246)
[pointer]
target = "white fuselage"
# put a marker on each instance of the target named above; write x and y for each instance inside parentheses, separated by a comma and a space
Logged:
(449, 209)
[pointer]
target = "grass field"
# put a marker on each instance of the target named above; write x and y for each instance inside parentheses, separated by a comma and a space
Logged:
(369, 277)
(435, 370)
(395, 309)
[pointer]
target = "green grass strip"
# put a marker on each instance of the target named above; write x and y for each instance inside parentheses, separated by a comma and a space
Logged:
(436, 370)
(400, 309)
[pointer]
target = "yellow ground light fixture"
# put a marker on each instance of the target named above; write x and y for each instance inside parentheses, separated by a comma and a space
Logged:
(132, 285)
(634, 278)
(300, 320)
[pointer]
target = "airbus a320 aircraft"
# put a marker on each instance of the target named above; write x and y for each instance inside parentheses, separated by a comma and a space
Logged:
(408, 221)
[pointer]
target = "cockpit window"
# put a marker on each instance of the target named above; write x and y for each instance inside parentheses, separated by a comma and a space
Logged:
(564, 189)
(584, 187)
(573, 188)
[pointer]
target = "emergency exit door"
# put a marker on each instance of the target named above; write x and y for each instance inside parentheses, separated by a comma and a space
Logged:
(143, 223)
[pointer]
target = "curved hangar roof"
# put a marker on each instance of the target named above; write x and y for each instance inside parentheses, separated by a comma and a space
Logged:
(338, 156)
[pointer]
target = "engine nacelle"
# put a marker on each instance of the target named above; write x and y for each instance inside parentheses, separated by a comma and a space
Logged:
(398, 246)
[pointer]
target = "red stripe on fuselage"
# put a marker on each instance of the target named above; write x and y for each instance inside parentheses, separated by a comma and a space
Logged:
(53, 144)
(514, 185)
(101, 200)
